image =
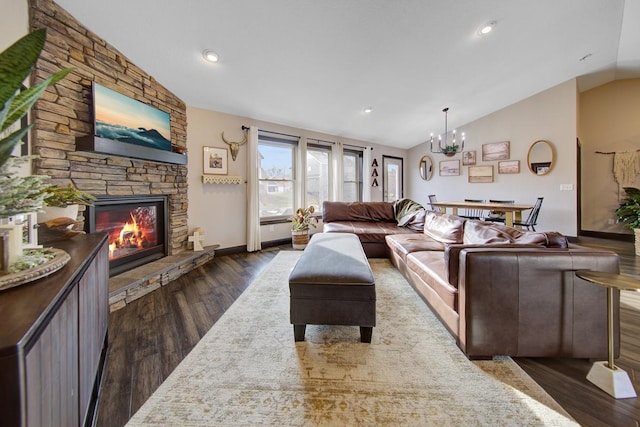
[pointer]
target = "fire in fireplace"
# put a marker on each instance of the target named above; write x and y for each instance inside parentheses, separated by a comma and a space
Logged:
(136, 226)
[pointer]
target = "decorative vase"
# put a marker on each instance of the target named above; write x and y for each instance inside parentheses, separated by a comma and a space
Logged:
(52, 212)
(636, 232)
(449, 153)
(300, 239)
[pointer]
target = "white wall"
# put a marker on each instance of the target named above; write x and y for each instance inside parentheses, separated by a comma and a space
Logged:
(220, 209)
(14, 21)
(549, 115)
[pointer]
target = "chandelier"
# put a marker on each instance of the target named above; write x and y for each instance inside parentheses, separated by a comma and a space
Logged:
(445, 147)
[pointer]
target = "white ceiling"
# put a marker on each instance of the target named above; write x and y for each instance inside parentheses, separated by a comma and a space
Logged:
(317, 64)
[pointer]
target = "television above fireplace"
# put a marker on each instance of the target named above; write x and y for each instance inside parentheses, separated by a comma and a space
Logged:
(127, 127)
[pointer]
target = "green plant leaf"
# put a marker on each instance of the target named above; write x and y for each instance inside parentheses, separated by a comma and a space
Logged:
(7, 144)
(17, 61)
(25, 99)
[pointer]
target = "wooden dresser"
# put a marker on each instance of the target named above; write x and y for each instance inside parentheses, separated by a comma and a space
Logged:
(53, 335)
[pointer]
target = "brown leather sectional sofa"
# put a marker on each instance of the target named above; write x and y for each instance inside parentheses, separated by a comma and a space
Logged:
(497, 289)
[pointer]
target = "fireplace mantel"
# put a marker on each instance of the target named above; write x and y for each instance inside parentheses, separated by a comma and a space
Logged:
(97, 144)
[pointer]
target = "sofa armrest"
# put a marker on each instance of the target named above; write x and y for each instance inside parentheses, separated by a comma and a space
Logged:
(452, 255)
(528, 302)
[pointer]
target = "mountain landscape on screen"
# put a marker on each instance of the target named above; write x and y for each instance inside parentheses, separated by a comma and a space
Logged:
(125, 119)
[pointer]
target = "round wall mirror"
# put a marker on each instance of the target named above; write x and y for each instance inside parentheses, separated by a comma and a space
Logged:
(426, 168)
(540, 157)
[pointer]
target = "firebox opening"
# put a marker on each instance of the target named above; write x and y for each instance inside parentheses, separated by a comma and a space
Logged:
(136, 226)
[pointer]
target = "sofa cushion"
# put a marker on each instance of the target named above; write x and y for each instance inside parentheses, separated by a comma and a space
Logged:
(430, 267)
(443, 227)
(404, 244)
(484, 232)
(358, 211)
(367, 232)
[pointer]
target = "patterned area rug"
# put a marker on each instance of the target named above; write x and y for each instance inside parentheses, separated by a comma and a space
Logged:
(247, 370)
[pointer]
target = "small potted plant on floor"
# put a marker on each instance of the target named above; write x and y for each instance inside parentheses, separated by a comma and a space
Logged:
(629, 213)
(300, 223)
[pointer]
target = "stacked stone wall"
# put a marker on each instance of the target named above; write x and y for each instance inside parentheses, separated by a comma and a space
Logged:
(65, 112)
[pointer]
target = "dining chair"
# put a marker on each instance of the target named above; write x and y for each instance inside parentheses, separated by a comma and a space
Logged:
(432, 198)
(497, 216)
(532, 219)
(473, 213)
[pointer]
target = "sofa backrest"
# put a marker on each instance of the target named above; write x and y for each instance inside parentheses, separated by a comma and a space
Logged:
(443, 227)
(358, 211)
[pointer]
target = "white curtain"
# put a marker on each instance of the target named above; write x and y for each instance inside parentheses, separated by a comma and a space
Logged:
(253, 205)
(367, 155)
(338, 175)
(301, 175)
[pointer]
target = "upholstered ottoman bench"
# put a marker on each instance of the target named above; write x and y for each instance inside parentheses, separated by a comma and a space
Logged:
(332, 284)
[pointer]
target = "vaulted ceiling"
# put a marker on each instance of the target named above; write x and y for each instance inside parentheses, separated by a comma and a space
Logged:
(318, 64)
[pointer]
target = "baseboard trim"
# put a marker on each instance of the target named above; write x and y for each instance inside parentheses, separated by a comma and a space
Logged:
(610, 236)
(243, 249)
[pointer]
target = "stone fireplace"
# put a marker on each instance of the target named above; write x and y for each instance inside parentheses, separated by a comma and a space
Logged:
(63, 117)
(136, 227)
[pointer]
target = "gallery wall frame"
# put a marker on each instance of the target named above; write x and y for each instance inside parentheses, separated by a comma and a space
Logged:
(509, 166)
(468, 158)
(215, 161)
(495, 151)
(449, 167)
(482, 174)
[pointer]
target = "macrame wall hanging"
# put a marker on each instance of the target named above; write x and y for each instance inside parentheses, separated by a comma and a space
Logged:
(626, 166)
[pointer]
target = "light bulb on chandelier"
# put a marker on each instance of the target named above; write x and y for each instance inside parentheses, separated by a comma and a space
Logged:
(448, 149)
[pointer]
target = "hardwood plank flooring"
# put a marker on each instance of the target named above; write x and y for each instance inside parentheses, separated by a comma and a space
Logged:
(149, 337)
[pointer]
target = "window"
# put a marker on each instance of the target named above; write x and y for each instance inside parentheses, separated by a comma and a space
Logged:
(392, 178)
(352, 168)
(318, 185)
(276, 177)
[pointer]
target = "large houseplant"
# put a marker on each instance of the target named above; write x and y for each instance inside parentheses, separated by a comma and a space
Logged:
(300, 223)
(629, 213)
(20, 194)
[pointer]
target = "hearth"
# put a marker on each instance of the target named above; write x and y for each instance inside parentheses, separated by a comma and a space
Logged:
(137, 228)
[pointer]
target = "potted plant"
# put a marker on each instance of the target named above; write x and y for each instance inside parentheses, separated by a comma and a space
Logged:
(63, 202)
(450, 150)
(300, 223)
(19, 193)
(629, 213)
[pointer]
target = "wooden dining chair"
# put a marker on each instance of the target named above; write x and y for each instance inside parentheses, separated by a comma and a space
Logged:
(532, 219)
(432, 198)
(497, 216)
(473, 213)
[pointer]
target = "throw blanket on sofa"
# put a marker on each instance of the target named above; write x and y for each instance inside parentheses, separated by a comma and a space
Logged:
(409, 214)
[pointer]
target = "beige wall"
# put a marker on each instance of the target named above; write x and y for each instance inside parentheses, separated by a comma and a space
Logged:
(220, 209)
(14, 21)
(610, 122)
(549, 115)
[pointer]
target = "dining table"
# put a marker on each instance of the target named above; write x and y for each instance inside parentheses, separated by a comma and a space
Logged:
(512, 211)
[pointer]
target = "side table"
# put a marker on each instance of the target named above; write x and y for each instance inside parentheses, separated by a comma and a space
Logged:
(606, 375)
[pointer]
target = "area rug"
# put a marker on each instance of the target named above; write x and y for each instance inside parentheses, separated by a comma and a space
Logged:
(248, 371)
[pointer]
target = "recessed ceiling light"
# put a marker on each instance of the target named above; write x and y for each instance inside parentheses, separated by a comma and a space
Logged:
(368, 110)
(210, 56)
(486, 28)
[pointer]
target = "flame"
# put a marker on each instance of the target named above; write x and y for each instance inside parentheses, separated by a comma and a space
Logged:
(130, 236)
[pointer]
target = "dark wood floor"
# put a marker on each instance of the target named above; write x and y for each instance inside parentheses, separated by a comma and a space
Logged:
(149, 337)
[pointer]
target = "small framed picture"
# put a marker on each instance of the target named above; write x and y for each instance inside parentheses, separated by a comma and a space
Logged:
(481, 173)
(468, 158)
(495, 151)
(509, 166)
(215, 161)
(449, 167)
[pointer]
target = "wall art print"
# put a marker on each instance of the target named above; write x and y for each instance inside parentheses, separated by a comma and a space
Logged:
(481, 173)
(495, 151)
(509, 166)
(449, 167)
(215, 161)
(125, 119)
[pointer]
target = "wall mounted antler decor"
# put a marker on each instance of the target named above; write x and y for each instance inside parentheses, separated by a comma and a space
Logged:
(235, 146)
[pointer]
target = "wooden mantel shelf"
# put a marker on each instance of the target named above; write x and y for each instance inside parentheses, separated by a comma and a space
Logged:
(221, 179)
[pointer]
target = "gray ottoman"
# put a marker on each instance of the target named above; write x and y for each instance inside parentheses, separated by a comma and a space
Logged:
(332, 284)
